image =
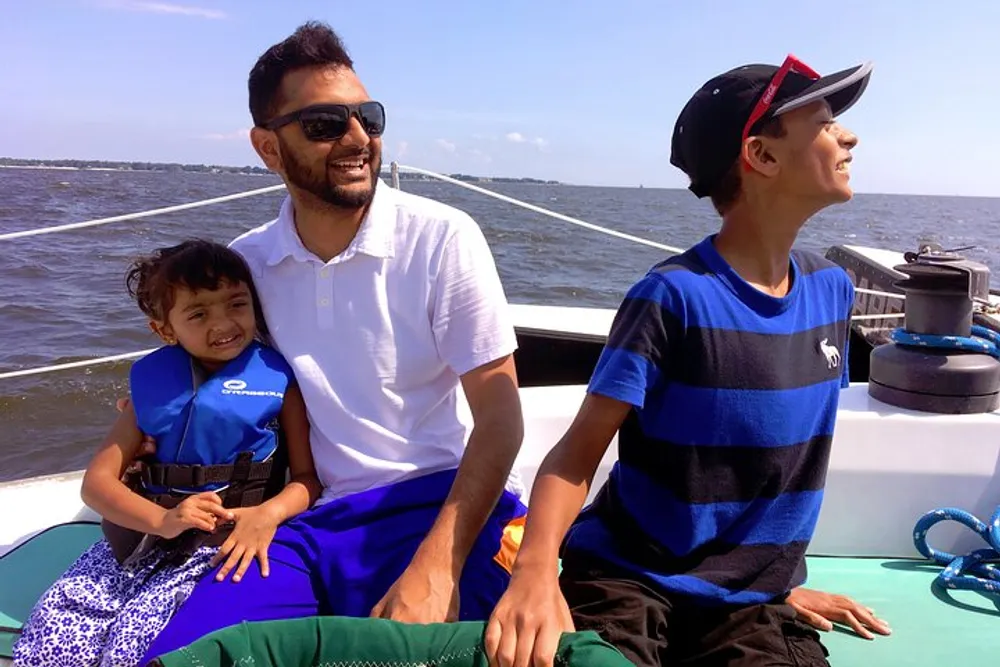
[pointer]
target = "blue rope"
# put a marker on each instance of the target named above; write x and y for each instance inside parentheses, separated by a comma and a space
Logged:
(972, 572)
(982, 340)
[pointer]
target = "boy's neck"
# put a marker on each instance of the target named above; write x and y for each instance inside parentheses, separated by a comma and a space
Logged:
(756, 240)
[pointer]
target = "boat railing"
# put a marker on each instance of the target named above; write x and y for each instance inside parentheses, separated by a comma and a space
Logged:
(395, 181)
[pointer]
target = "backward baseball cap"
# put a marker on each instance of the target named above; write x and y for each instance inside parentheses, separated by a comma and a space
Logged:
(709, 131)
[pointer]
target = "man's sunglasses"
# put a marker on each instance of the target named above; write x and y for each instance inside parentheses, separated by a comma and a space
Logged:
(329, 122)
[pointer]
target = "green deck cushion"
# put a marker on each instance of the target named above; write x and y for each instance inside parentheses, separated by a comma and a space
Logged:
(29, 569)
(930, 626)
(353, 642)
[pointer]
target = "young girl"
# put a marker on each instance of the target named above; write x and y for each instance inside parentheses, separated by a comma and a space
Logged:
(214, 400)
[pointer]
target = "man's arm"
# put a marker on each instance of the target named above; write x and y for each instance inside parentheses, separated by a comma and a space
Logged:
(489, 456)
(427, 592)
(476, 339)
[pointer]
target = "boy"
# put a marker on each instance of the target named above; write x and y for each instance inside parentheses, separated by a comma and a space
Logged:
(721, 374)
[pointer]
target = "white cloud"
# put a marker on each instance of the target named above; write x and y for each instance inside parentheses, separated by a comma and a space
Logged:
(164, 8)
(481, 156)
(402, 148)
(228, 136)
(518, 138)
(446, 146)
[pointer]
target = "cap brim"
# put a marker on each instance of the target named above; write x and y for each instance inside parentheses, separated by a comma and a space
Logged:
(840, 90)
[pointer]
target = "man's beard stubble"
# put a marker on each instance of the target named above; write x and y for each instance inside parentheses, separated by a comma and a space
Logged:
(319, 185)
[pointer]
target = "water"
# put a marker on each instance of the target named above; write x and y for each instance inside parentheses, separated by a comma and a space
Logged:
(62, 296)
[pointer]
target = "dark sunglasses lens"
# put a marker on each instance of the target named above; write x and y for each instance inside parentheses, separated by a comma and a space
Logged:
(324, 125)
(372, 118)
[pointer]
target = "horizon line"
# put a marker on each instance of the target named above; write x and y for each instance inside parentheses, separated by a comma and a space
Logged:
(387, 170)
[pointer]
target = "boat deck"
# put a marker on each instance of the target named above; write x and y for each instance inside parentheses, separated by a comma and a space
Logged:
(930, 626)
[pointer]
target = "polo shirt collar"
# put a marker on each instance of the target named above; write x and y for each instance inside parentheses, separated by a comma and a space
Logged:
(375, 237)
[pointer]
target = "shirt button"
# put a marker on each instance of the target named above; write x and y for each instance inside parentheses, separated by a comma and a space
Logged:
(324, 273)
(324, 302)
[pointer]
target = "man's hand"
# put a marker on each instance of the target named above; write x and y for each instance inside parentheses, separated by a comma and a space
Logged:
(821, 610)
(424, 593)
(527, 623)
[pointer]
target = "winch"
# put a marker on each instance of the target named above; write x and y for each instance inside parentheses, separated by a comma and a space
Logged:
(939, 361)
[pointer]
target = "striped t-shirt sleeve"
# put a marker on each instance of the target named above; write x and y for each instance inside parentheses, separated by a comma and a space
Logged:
(633, 360)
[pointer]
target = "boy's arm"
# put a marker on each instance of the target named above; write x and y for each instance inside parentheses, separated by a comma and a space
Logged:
(564, 480)
(532, 615)
(821, 610)
(527, 623)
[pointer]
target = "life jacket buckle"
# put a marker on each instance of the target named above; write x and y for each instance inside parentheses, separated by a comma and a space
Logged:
(241, 468)
(198, 476)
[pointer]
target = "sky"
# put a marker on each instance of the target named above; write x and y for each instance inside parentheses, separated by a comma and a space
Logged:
(581, 92)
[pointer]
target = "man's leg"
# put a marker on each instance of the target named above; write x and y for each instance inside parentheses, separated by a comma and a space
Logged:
(290, 591)
(753, 636)
(368, 539)
(627, 614)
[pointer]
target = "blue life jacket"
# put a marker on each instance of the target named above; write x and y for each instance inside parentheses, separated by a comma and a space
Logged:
(207, 426)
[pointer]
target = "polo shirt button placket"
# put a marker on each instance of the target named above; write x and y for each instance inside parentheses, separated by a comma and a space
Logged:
(324, 292)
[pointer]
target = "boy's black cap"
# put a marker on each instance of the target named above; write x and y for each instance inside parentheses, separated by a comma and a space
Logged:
(709, 130)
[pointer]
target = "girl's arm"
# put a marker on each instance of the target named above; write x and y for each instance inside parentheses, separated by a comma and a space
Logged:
(303, 486)
(103, 489)
(255, 526)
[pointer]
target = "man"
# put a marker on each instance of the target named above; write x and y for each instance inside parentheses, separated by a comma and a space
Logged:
(716, 378)
(386, 305)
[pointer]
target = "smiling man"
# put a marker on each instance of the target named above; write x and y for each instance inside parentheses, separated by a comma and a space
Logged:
(388, 306)
(721, 375)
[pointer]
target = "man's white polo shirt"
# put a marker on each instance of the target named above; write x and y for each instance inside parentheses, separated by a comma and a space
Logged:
(379, 335)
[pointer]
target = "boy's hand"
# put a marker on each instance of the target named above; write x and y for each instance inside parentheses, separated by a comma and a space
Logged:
(527, 622)
(255, 528)
(821, 610)
(201, 511)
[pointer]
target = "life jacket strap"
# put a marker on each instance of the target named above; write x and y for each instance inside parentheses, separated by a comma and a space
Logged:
(174, 475)
(249, 484)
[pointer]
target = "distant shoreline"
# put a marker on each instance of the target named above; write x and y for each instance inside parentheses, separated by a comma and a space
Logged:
(174, 167)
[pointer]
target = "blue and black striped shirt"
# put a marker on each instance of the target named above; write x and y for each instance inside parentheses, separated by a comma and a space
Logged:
(723, 459)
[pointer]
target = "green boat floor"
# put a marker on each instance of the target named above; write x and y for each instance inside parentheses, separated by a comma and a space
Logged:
(930, 626)
(30, 568)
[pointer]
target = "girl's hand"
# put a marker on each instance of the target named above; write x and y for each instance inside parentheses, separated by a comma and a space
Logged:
(255, 528)
(201, 511)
